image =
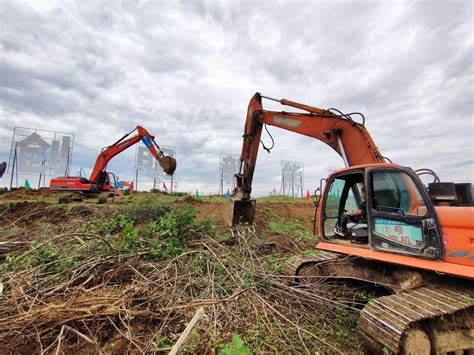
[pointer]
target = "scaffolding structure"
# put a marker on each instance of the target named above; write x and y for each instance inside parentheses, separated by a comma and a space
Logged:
(292, 178)
(229, 165)
(39, 152)
(147, 169)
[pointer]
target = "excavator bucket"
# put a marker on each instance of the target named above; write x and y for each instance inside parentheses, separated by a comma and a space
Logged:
(239, 211)
(168, 164)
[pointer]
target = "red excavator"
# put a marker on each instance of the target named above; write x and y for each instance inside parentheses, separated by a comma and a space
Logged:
(102, 184)
(378, 223)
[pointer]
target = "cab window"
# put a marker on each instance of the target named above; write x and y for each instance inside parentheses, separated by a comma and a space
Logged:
(331, 210)
(395, 192)
(344, 193)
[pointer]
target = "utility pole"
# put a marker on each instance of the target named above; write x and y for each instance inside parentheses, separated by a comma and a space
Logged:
(136, 180)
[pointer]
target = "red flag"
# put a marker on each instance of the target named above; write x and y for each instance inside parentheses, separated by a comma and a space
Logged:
(164, 187)
(308, 196)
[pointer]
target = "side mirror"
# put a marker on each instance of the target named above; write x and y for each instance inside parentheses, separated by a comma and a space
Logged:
(318, 197)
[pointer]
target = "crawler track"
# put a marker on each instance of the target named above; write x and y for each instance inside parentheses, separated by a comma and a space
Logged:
(416, 319)
(436, 318)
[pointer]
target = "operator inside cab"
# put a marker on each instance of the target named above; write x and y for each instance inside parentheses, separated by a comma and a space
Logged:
(351, 221)
(361, 213)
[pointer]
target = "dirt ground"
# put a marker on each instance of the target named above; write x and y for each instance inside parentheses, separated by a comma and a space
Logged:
(26, 209)
(33, 222)
(304, 213)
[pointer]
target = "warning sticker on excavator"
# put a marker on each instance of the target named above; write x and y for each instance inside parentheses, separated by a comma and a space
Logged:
(399, 231)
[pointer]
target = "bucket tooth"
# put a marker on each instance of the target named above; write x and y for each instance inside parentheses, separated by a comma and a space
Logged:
(239, 211)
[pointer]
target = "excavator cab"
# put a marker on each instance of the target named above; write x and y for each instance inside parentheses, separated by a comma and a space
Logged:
(103, 180)
(397, 215)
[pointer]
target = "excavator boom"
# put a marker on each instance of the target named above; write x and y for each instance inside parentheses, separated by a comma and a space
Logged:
(167, 163)
(339, 131)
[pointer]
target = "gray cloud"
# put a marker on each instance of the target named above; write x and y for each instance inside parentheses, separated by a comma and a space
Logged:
(186, 70)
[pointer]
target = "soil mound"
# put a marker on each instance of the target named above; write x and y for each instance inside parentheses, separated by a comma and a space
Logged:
(191, 200)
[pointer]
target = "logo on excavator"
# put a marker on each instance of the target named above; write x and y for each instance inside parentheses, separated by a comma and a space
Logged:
(286, 122)
(398, 229)
(120, 146)
(146, 140)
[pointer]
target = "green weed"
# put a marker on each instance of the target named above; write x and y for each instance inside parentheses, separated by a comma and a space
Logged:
(236, 347)
(311, 252)
(273, 262)
(289, 226)
(129, 238)
(11, 232)
(258, 335)
(145, 209)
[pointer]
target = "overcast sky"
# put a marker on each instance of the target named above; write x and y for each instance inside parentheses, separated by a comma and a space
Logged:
(186, 70)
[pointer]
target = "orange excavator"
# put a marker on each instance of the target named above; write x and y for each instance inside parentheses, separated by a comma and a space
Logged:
(378, 223)
(102, 184)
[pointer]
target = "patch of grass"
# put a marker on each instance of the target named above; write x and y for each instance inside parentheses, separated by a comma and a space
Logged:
(289, 226)
(145, 209)
(46, 229)
(129, 237)
(339, 324)
(11, 232)
(346, 335)
(273, 262)
(47, 254)
(258, 338)
(58, 206)
(104, 227)
(311, 252)
(164, 236)
(213, 198)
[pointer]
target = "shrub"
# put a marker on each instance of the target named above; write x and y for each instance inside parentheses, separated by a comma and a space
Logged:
(145, 210)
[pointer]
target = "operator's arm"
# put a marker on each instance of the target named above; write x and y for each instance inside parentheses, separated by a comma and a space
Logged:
(361, 211)
(354, 213)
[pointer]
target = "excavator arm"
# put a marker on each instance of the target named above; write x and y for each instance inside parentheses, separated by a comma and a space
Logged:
(348, 138)
(167, 163)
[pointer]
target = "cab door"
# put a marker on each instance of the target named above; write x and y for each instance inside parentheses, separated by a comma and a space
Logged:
(401, 216)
